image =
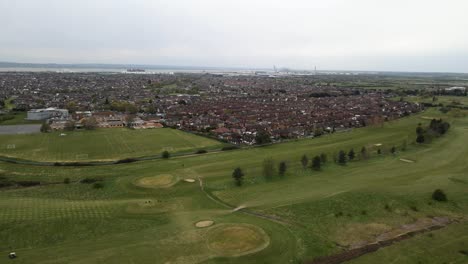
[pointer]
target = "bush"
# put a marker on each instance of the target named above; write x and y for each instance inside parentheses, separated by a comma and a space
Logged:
(229, 148)
(201, 151)
(89, 180)
(98, 185)
(4, 184)
(439, 196)
(165, 154)
(387, 207)
(128, 160)
(28, 183)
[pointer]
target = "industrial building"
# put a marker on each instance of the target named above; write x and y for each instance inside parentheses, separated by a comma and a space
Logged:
(43, 114)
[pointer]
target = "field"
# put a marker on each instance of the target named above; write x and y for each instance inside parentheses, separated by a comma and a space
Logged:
(443, 100)
(102, 144)
(147, 212)
(18, 119)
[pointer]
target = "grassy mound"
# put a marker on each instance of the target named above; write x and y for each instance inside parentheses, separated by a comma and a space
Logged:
(236, 239)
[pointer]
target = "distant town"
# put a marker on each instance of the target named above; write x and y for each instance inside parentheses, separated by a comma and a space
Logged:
(235, 108)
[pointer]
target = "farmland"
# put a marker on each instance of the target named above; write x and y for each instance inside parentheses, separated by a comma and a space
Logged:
(146, 211)
(102, 144)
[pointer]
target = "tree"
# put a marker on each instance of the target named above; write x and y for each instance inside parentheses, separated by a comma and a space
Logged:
(419, 129)
(439, 195)
(262, 137)
(323, 158)
(268, 168)
(304, 161)
(379, 151)
(393, 150)
(165, 154)
(70, 125)
(45, 127)
(90, 123)
(342, 157)
(238, 176)
(364, 153)
(420, 139)
(316, 163)
(282, 168)
(351, 155)
(71, 106)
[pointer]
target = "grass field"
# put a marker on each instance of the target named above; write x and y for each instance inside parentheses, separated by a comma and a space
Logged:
(147, 213)
(19, 118)
(444, 100)
(102, 144)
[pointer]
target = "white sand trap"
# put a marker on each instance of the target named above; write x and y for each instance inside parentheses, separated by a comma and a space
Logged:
(407, 160)
(204, 223)
(189, 180)
(378, 144)
(239, 208)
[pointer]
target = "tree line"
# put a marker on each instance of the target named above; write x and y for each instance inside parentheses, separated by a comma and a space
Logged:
(270, 168)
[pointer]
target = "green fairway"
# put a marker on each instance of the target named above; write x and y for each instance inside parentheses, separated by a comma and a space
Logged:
(147, 212)
(101, 144)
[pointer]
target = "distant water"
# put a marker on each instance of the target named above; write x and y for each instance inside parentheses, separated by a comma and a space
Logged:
(106, 70)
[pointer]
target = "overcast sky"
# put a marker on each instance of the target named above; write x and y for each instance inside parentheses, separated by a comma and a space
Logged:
(399, 35)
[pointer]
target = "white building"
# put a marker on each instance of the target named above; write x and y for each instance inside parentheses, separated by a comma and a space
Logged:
(43, 114)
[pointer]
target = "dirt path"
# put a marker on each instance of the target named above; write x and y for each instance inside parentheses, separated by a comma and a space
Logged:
(386, 239)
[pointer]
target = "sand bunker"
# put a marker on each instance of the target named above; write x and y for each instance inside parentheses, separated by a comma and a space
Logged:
(407, 160)
(239, 208)
(160, 181)
(189, 180)
(204, 223)
(236, 239)
(378, 144)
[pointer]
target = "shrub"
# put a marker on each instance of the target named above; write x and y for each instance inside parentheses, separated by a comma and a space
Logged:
(229, 148)
(28, 183)
(165, 154)
(387, 207)
(4, 184)
(66, 180)
(89, 180)
(128, 160)
(201, 151)
(439, 195)
(98, 185)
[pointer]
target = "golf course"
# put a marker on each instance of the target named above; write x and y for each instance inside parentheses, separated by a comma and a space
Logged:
(188, 209)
